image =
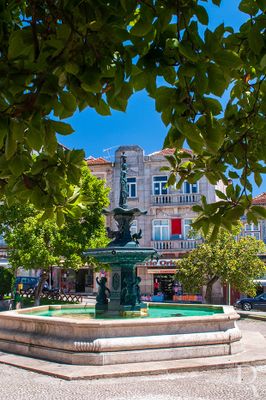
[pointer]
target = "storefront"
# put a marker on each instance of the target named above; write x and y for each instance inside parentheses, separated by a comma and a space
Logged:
(71, 281)
(158, 281)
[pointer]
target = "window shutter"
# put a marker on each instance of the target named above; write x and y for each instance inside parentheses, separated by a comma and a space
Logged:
(176, 226)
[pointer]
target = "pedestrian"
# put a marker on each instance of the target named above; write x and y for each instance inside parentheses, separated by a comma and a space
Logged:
(17, 300)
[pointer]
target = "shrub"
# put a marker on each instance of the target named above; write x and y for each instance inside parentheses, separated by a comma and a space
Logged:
(6, 280)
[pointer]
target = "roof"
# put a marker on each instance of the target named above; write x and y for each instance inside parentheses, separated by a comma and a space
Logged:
(260, 199)
(97, 161)
(168, 152)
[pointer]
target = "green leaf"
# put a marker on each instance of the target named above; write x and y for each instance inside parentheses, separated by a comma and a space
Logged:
(169, 75)
(216, 80)
(258, 178)
(164, 98)
(68, 101)
(214, 233)
(174, 138)
(229, 191)
(10, 146)
(60, 217)
(35, 138)
(49, 140)
(74, 174)
(72, 68)
(171, 180)
(48, 214)
(212, 105)
(233, 175)
(201, 81)
(139, 81)
(255, 40)
(228, 58)
(187, 51)
(17, 128)
(3, 130)
(202, 15)
(61, 127)
(261, 211)
(17, 166)
(102, 108)
(221, 195)
(234, 214)
(189, 130)
(165, 168)
(76, 156)
(217, 2)
(249, 7)
(141, 28)
(20, 44)
(263, 62)
(262, 4)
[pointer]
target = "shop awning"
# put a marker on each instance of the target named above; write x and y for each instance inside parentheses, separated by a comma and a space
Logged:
(261, 281)
(161, 271)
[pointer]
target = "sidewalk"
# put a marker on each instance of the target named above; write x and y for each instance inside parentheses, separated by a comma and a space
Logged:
(253, 314)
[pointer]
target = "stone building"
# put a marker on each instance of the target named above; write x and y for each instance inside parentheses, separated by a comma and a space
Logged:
(169, 215)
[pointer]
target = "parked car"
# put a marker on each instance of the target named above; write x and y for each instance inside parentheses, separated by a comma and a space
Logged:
(258, 302)
(27, 282)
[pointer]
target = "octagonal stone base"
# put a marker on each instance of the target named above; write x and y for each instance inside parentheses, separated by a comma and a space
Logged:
(103, 342)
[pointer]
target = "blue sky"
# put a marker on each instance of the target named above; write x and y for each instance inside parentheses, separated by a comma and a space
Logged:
(140, 124)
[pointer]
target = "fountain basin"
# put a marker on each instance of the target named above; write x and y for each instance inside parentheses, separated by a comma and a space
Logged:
(117, 341)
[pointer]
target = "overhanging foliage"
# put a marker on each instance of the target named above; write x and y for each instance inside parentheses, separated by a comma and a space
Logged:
(60, 56)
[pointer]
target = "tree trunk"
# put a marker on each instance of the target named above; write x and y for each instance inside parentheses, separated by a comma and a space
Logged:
(38, 290)
(208, 294)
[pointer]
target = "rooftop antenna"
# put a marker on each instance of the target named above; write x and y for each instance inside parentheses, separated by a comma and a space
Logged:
(109, 154)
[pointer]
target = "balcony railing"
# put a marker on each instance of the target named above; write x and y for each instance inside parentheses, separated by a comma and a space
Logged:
(183, 244)
(176, 199)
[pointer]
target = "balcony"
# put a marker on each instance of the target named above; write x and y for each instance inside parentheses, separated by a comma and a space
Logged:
(175, 199)
(182, 244)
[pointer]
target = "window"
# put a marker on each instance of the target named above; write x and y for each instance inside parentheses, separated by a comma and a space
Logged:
(190, 187)
(187, 228)
(132, 187)
(176, 228)
(252, 230)
(159, 185)
(160, 229)
(134, 227)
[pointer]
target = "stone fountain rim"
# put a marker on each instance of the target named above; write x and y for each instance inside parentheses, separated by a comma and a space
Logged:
(228, 314)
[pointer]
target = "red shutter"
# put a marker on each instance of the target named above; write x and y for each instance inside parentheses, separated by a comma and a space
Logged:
(176, 226)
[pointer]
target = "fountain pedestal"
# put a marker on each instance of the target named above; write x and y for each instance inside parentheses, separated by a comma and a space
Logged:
(124, 298)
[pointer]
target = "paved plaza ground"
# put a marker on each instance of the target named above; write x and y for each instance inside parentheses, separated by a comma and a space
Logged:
(237, 383)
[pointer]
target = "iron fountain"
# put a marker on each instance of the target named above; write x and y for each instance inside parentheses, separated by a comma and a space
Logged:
(122, 254)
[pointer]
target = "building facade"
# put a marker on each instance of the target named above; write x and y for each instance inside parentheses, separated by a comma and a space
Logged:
(167, 224)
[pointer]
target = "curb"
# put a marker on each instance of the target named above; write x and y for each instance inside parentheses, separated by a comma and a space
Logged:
(147, 372)
(253, 316)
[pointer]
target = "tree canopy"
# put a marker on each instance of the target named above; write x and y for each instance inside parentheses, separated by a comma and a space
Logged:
(60, 56)
(232, 261)
(38, 243)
